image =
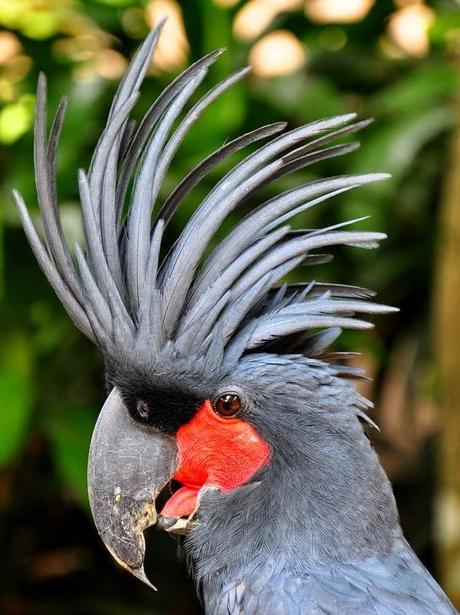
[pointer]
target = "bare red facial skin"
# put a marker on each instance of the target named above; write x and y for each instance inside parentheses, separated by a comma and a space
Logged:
(214, 451)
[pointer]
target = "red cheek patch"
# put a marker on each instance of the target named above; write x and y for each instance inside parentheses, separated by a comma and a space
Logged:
(216, 452)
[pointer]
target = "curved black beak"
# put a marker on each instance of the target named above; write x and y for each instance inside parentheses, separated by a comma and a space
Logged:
(128, 466)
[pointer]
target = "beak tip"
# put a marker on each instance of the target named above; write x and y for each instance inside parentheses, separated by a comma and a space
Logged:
(136, 571)
(139, 573)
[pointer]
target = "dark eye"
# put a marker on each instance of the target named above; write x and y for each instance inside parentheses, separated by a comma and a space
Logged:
(143, 410)
(227, 405)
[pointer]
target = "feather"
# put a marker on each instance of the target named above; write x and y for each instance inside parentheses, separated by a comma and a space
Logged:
(95, 297)
(246, 176)
(147, 124)
(220, 306)
(201, 170)
(46, 192)
(279, 326)
(146, 190)
(333, 135)
(74, 308)
(149, 296)
(230, 275)
(299, 248)
(267, 217)
(100, 269)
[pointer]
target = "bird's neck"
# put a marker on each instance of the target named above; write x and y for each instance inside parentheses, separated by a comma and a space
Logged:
(325, 501)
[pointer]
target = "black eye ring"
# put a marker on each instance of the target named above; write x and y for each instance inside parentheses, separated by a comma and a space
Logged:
(143, 409)
(227, 405)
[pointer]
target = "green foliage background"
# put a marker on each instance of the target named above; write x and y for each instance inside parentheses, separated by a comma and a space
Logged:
(51, 379)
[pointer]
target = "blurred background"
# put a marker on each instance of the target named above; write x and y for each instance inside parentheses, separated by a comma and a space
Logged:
(395, 60)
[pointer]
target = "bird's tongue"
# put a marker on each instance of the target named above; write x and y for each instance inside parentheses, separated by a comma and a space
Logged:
(181, 504)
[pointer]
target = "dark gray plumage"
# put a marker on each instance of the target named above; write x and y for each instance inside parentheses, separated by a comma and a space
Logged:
(316, 530)
(365, 587)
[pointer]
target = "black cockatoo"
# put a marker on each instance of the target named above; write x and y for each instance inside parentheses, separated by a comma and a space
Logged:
(219, 374)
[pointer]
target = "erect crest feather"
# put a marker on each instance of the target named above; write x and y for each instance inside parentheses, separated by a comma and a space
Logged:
(116, 289)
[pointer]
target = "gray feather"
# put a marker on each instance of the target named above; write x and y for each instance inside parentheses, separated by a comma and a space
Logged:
(73, 307)
(218, 204)
(124, 296)
(201, 170)
(146, 126)
(267, 217)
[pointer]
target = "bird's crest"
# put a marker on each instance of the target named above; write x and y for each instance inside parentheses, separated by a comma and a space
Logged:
(116, 289)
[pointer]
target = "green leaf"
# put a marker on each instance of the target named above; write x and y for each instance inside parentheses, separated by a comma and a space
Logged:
(117, 2)
(304, 98)
(16, 119)
(446, 24)
(2, 257)
(15, 402)
(70, 434)
(392, 147)
(15, 395)
(417, 90)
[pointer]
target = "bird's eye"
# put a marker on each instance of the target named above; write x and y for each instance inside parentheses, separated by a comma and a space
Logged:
(143, 410)
(227, 405)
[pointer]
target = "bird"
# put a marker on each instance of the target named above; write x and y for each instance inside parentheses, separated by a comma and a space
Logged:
(223, 391)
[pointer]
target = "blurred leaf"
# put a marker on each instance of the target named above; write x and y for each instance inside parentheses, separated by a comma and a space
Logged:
(10, 12)
(117, 2)
(15, 394)
(70, 433)
(417, 89)
(15, 401)
(2, 258)
(300, 97)
(16, 119)
(392, 148)
(217, 30)
(40, 24)
(445, 23)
